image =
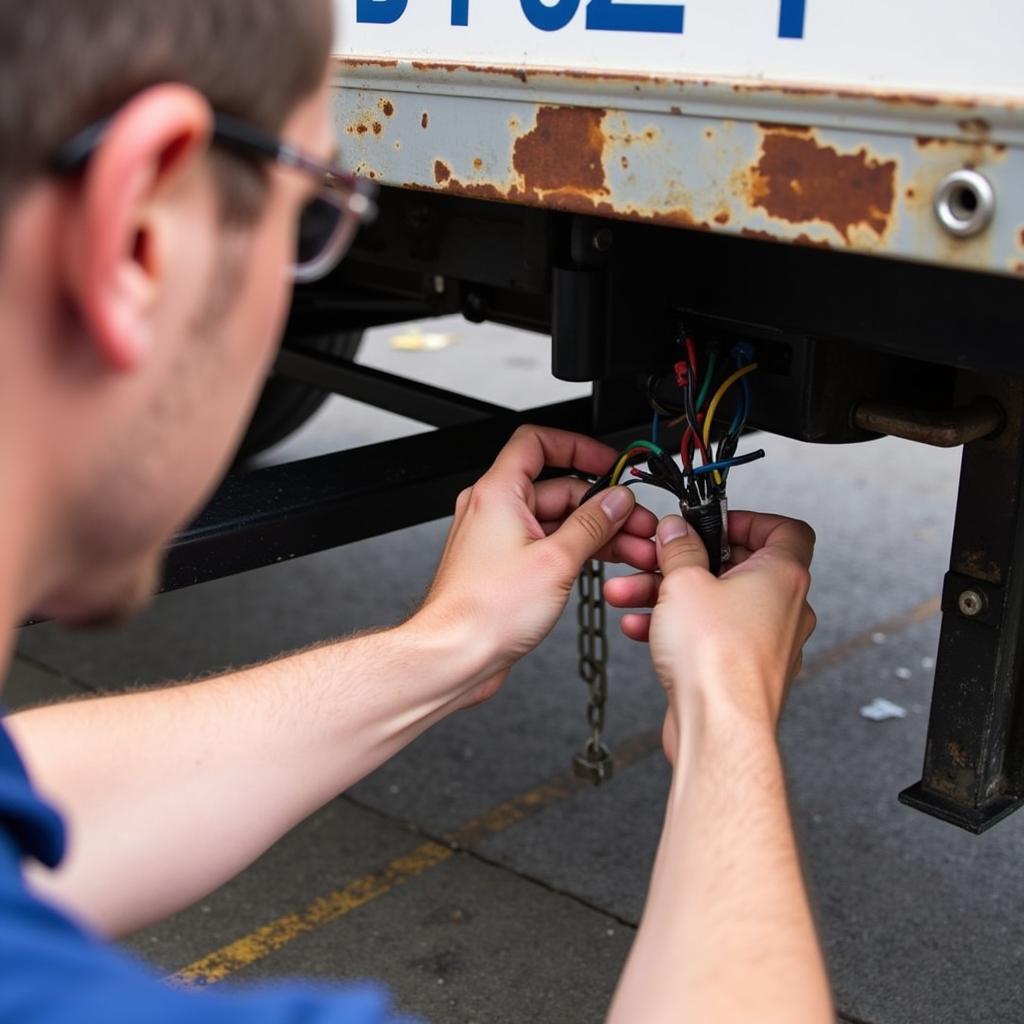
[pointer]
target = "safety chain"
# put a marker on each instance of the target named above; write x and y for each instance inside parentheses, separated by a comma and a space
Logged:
(594, 761)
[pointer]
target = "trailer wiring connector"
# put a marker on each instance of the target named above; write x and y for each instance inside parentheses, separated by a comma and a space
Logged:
(700, 489)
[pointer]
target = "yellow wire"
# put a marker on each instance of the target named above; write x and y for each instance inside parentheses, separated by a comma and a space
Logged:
(716, 401)
(620, 467)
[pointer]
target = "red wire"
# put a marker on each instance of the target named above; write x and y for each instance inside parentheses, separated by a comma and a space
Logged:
(691, 352)
(692, 438)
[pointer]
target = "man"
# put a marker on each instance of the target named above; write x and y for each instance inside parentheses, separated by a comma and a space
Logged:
(148, 221)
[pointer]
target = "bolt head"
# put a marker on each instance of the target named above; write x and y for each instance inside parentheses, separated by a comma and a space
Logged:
(971, 603)
(603, 240)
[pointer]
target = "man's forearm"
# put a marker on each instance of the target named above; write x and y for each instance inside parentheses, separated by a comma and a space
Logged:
(727, 933)
(169, 793)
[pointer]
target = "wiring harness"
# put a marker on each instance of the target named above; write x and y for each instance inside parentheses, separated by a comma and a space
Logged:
(700, 489)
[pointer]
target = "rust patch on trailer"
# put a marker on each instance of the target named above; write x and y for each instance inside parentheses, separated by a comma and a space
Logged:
(564, 151)
(978, 564)
(425, 120)
(498, 70)
(387, 107)
(761, 236)
(477, 163)
(975, 126)
(798, 180)
(377, 128)
(814, 243)
(722, 217)
(789, 129)
(442, 172)
(957, 754)
(475, 190)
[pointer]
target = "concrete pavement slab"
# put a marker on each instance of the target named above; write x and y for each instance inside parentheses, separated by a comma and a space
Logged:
(471, 944)
(339, 843)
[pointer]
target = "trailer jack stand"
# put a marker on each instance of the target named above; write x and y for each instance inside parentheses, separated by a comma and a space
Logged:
(973, 774)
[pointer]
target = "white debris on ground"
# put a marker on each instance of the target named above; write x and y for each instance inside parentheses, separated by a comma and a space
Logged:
(903, 673)
(881, 710)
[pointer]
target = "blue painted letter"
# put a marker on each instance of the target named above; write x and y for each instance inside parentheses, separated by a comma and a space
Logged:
(791, 19)
(380, 12)
(460, 12)
(550, 18)
(619, 16)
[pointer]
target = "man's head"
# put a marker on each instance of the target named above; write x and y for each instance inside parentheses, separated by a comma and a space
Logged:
(142, 296)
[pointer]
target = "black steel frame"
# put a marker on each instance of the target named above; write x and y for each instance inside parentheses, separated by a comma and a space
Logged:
(271, 515)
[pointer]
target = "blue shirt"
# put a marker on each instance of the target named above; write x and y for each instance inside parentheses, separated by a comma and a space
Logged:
(52, 971)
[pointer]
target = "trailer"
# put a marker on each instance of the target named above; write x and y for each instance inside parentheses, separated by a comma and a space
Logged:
(836, 186)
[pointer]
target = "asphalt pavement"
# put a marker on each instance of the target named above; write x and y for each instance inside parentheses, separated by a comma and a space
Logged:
(472, 876)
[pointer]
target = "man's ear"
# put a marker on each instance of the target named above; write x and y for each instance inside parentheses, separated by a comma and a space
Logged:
(113, 266)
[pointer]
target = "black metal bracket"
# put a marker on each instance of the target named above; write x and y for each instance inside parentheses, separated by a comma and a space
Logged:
(264, 516)
(973, 774)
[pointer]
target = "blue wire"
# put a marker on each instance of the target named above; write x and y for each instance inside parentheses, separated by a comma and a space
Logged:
(740, 460)
(654, 428)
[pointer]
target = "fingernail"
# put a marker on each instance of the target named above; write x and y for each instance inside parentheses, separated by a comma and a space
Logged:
(617, 503)
(672, 528)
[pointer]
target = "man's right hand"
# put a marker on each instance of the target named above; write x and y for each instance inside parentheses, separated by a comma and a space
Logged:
(735, 641)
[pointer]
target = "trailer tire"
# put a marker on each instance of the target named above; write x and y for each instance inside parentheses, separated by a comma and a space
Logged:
(286, 405)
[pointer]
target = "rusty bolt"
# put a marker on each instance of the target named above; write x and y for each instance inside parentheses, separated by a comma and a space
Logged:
(602, 240)
(971, 603)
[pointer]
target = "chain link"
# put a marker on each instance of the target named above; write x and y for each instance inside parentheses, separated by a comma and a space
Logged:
(594, 761)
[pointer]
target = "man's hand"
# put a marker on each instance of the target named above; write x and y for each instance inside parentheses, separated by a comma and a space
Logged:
(727, 933)
(517, 546)
(734, 640)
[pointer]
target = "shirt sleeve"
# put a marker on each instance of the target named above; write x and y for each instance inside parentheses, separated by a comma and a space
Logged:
(54, 972)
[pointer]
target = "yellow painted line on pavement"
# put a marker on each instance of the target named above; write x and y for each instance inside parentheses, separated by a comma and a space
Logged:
(259, 944)
(268, 938)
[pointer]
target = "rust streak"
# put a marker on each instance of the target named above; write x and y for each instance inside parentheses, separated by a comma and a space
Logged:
(442, 172)
(975, 125)
(564, 151)
(791, 129)
(804, 239)
(484, 69)
(799, 180)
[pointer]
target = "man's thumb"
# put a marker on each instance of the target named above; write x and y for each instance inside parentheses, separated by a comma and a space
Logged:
(594, 524)
(679, 547)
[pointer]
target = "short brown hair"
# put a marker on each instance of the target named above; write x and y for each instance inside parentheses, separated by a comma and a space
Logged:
(64, 65)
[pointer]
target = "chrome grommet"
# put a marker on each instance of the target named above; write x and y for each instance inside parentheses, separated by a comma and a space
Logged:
(965, 203)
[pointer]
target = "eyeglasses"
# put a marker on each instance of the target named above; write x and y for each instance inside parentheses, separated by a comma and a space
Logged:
(328, 224)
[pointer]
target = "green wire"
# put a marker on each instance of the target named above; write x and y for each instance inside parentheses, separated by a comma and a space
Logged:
(708, 374)
(649, 445)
